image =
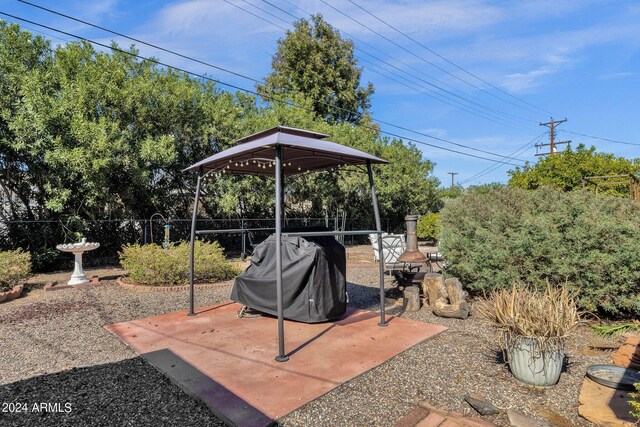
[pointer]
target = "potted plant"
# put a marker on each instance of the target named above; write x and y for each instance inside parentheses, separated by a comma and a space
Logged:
(535, 327)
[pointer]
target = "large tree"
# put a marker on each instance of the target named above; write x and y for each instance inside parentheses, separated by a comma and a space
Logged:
(316, 61)
(88, 136)
(100, 134)
(566, 170)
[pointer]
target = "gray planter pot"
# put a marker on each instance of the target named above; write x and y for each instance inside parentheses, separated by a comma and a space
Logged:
(535, 361)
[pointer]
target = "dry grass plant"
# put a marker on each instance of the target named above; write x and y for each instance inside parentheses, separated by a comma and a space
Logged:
(547, 316)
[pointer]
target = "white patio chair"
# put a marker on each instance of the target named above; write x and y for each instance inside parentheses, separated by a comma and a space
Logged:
(373, 238)
(393, 245)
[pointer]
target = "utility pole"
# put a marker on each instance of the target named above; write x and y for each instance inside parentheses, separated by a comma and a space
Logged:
(452, 175)
(552, 137)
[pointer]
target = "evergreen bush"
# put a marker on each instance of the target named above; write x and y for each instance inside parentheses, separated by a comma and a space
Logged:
(508, 236)
(429, 226)
(14, 267)
(154, 266)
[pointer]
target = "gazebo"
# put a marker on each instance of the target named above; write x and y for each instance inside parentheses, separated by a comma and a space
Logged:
(279, 152)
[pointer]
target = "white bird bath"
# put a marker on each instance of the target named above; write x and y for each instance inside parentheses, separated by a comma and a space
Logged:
(77, 249)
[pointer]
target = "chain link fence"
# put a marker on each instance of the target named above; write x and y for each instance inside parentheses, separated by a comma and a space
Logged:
(40, 237)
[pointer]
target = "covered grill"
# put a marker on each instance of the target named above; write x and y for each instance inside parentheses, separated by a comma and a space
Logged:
(313, 276)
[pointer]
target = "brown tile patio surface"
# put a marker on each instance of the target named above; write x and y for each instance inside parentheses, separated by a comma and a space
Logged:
(228, 362)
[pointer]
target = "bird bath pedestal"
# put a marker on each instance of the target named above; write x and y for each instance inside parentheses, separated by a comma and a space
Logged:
(77, 249)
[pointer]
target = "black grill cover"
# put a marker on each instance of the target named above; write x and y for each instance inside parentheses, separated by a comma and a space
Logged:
(313, 279)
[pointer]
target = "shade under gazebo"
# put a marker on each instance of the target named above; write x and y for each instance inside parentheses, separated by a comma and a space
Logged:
(281, 151)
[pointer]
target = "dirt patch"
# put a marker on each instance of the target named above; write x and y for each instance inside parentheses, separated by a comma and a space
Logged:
(43, 310)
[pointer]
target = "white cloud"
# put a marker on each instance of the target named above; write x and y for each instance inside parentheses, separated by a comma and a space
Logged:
(618, 75)
(196, 18)
(99, 8)
(521, 82)
(417, 18)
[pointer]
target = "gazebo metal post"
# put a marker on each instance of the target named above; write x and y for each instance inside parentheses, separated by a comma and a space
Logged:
(192, 242)
(281, 357)
(376, 213)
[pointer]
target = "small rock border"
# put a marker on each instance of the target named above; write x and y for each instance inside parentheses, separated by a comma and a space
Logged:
(148, 288)
(12, 294)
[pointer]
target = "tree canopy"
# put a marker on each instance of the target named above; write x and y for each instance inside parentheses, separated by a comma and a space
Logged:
(566, 170)
(314, 60)
(96, 135)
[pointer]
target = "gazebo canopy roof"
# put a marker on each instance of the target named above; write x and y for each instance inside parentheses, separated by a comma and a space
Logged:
(302, 151)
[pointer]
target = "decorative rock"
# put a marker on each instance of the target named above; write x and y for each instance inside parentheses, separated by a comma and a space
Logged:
(411, 300)
(481, 405)
(628, 356)
(12, 294)
(452, 418)
(604, 406)
(518, 419)
(555, 419)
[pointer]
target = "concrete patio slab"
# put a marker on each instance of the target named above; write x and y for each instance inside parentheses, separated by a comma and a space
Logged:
(228, 362)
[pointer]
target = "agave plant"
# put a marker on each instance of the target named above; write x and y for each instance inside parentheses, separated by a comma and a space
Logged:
(617, 328)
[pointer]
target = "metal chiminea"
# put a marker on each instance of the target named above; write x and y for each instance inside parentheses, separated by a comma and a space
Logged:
(411, 253)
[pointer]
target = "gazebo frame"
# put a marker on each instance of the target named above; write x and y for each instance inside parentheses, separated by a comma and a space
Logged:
(284, 151)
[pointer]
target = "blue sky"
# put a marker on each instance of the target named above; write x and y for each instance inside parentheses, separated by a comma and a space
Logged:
(577, 59)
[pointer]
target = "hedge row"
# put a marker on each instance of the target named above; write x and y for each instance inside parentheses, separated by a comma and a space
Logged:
(15, 266)
(152, 265)
(589, 241)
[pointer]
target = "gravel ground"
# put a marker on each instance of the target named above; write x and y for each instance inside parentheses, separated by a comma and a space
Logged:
(53, 348)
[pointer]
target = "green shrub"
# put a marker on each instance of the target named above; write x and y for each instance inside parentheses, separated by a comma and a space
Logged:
(509, 236)
(635, 403)
(152, 265)
(429, 226)
(14, 267)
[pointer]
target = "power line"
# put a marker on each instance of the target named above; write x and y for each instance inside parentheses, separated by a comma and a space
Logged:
(498, 165)
(262, 10)
(449, 61)
(137, 40)
(437, 96)
(520, 150)
(255, 80)
(552, 138)
(249, 78)
(396, 60)
(600, 138)
(508, 116)
(269, 97)
(413, 53)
